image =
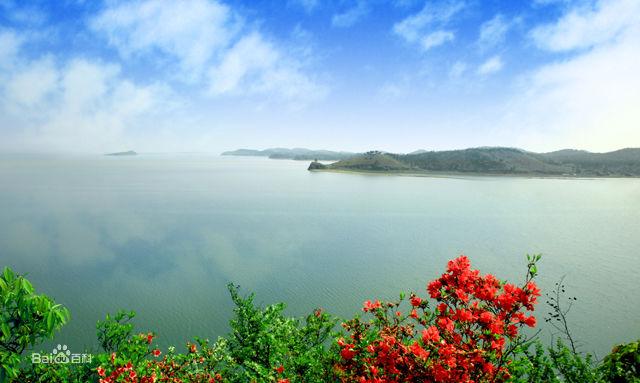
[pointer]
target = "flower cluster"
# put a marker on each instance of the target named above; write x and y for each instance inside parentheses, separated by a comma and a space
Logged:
(147, 368)
(466, 337)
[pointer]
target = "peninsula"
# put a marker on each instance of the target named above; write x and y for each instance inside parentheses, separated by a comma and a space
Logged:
(494, 161)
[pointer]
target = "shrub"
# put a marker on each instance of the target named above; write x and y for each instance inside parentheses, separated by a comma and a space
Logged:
(26, 319)
(468, 329)
(623, 364)
(468, 336)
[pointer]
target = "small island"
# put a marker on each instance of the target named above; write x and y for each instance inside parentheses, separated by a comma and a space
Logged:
(127, 153)
(494, 161)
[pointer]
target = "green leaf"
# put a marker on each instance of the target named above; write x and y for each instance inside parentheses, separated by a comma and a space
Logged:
(5, 330)
(26, 285)
(8, 274)
(50, 321)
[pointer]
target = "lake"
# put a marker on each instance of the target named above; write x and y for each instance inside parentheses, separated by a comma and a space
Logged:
(164, 234)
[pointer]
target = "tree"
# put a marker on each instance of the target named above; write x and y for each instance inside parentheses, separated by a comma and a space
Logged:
(26, 319)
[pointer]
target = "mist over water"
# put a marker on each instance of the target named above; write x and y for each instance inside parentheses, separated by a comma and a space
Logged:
(164, 234)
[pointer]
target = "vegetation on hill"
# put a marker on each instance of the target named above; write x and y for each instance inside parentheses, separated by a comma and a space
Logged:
(465, 328)
(370, 161)
(621, 163)
(292, 154)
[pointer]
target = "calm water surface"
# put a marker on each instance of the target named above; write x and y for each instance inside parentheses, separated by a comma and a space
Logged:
(164, 234)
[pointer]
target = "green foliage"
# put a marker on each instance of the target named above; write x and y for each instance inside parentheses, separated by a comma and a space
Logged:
(572, 366)
(263, 339)
(557, 363)
(114, 332)
(115, 335)
(623, 364)
(532, 364)
(26, 319)
(57, 373)
(264, 345)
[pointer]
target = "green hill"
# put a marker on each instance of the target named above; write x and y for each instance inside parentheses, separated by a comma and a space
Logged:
(497, 160)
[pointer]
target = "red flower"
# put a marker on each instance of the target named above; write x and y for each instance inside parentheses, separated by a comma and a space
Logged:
(464, 315)
(434, 288)
(280, 369)
(368, 306)
(488, 368)
(530, 321)
(347, 353)
(486, 317)
(156, 352)
(101, 371)
(446, 324)
(461, 338)
(149, 338)
(418, 351)
(497, 327)
(430, 334)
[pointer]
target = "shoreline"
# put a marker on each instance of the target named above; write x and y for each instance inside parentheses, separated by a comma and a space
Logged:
(466, 175)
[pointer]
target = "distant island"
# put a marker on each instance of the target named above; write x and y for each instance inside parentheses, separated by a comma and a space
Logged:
(127, 153)
(300, 154)
(494, 161)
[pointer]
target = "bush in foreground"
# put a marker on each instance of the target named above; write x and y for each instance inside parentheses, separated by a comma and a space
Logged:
(467, 328)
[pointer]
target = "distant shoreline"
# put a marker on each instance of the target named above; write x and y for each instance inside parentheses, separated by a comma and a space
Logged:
(464, 174)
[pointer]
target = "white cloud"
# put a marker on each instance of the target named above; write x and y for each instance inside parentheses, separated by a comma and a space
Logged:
(29, 86)
(589, 100)
(436, 38)
(351, 15)
(254, 66)
(492, 65)
(493, 32)
(191, 31)
(211, 43)
(9, 44)
(78, 106)
(419, 28)
(457, 69)
(587, 26)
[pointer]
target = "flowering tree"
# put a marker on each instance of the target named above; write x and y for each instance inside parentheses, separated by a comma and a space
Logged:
(467, 336)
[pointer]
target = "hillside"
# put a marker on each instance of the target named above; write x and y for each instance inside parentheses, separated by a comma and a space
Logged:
(497, 160)
(370, 161)
(292, 154)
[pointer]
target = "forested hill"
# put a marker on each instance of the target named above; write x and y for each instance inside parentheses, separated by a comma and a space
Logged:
(497, 160)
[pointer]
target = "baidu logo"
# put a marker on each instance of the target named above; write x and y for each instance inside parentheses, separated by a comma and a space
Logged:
(60, 355)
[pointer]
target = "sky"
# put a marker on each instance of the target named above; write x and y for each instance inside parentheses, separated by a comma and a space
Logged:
(393, 75)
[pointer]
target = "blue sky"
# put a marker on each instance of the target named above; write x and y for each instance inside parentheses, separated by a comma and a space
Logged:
(395, 75)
